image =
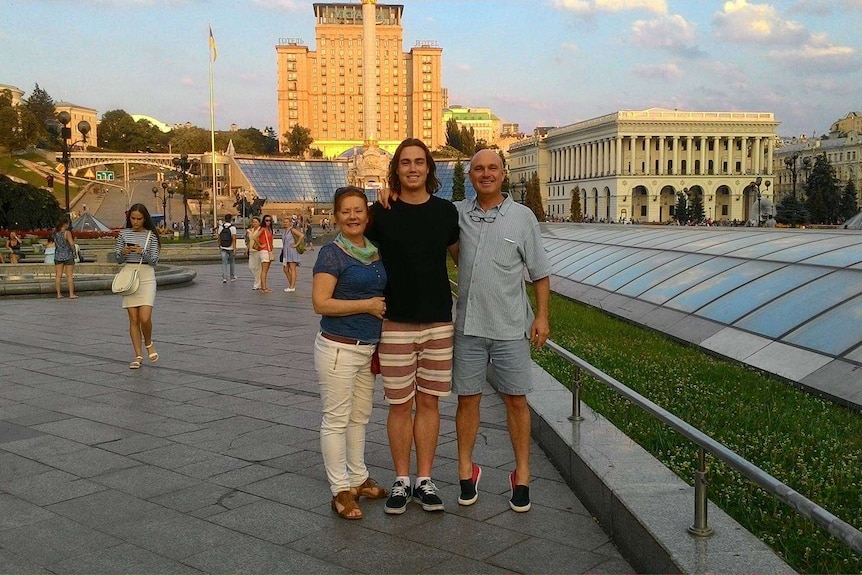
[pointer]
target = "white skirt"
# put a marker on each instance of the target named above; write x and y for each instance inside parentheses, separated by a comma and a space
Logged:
(146, 294)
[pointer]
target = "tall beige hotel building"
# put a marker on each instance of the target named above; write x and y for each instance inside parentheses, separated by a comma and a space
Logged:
(323, 89)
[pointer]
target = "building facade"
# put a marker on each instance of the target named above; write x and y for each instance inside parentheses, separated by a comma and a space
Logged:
(323, 89)
(486, 126)
(16, 93)
(631, 164)
(793, 162)
(79, 113)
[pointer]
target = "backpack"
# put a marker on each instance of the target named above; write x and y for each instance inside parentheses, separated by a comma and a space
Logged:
(225, 238)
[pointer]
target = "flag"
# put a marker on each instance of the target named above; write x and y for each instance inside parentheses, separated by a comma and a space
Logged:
(213, 45)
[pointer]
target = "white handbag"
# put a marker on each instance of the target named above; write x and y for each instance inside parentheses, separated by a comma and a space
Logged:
(128, 279)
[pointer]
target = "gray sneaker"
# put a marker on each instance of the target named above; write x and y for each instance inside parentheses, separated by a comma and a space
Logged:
(425, 494)
(399, 497)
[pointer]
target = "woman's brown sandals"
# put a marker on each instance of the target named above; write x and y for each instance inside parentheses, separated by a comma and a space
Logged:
(369, 489)
(345, 505)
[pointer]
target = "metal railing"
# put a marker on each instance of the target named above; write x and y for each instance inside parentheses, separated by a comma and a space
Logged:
(839, 528)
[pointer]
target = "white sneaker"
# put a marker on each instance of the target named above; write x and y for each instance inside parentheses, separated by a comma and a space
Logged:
(289, 289)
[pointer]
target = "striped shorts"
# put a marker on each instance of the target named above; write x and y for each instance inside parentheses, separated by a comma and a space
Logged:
(415, 356)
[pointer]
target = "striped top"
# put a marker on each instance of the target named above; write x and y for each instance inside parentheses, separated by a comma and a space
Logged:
(129, 236)
(495, 247)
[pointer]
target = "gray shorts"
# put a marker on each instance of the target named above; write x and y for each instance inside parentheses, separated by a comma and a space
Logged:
(511, 359)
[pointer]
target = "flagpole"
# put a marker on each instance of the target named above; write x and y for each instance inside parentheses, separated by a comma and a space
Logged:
(212, 58)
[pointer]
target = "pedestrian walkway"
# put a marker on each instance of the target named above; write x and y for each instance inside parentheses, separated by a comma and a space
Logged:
(209, 460)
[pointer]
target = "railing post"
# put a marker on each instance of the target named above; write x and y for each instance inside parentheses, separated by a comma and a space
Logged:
(700, 527)
(576, 395)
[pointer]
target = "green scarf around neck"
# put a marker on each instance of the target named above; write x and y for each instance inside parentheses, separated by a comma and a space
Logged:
(364, 255)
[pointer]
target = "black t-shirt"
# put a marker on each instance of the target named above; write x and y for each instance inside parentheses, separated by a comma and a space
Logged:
(413, 239)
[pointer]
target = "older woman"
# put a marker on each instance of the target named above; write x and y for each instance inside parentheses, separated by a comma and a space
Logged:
(347, 291)
(139, 244)
(252, 250)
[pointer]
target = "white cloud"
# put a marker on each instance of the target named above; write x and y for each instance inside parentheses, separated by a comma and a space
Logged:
(659, 72)
(462, 67)
(742, 22)
(818, 55)
(588, 7)
(187, 82)
(570, 47)
(669, 31)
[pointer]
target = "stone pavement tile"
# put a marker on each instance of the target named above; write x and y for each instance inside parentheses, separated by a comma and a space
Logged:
(285, 434)
(173, 456)
(293, 489)
(16, 392)
(135, 401)
(543, 556)
(103, 509)
(172, 534)
(91, 461)
(183, 394)
(44, 448)
(163, 427)
(572, 529)
(295, 461)
(250, 449)
(215, 465)
(145, 481)
(306, 416)
(123, 558)
(10, 432)
(134, 444)
(50, 487)
(467, 566)
(13, 563)
(205, 495)
(13, 467)
(249, 555)
(462, 536)
(238, 425)
(54, 540)
(36, 416)
(17, 512)
(557, 495)
(358, 550)
(276, 396)
(75, 388)
(271, 521)
(16, 411)
(192, 413)
(83, 431)
(244, 475)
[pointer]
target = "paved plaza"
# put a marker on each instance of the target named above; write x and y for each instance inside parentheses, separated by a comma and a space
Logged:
(209, 460)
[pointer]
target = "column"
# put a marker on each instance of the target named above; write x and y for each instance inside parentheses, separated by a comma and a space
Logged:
(632, 168)
(702, 155)
(618, 163)
(676, 170)
(716, 158)
(770, 153)
(689, 165)
(647, 150)
(756, 153)
(731, 144)
(744, 158)
(662, 169)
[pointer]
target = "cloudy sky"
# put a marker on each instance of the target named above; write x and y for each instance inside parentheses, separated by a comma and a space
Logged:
(535, 62)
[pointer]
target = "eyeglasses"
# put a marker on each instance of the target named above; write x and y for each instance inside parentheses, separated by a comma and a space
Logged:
(483, 219)
(267, 221)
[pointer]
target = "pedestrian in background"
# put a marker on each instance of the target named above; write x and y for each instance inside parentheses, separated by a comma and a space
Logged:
(64, 257)
(252, 250)
(290, 258)
(266, 251)
(227, 247)
(138, 243)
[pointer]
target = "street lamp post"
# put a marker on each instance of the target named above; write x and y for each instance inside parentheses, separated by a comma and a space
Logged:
(182, 165)
(166, 193)
(756, 186)
(60, 127)
(791, 165)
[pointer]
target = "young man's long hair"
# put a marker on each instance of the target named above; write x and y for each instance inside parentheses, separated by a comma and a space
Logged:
(432, 184)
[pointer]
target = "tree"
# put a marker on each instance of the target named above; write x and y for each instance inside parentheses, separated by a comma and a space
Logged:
(534, 197)
(468, 141)
(18, 126)
(575, 211)
(458, 182)
(41, 106)
(680, 211)
(26, 207)
(695, 209)
(849, 203)
(453, 134)
(299, 140)
(271, 145)
(791, 211)
(119, 132)
(823, 192)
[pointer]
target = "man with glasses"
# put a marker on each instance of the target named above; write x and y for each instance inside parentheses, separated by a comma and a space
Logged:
(415, 347)
(494, 322)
